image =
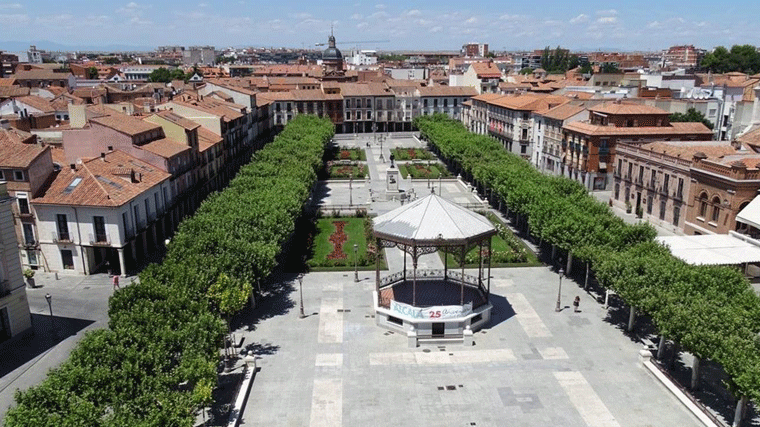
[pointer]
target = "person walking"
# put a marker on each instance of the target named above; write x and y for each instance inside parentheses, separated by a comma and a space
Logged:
(115, 279)
(576, 303)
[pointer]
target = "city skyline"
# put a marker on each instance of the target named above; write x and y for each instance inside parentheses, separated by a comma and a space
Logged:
(446, 25)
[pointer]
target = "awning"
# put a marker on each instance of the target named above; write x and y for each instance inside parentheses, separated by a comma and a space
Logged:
(750, 214)
(711, 249)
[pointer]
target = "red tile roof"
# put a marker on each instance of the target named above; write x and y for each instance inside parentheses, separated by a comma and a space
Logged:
(165, 147)
(18, 148)
(113, 182)
(125, 124)
(626, 108)
(685, 128)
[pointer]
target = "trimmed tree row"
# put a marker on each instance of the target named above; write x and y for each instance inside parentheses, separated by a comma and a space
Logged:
(156, 363)
(709, 311)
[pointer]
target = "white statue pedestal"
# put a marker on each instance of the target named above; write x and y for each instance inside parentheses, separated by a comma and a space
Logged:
(391, 180)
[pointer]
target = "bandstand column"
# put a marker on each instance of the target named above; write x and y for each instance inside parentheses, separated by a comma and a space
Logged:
(461, 296)
(480, 263)
(445, 265)
(414, 277)
(377, 268)
(490, 255)
(404, 250)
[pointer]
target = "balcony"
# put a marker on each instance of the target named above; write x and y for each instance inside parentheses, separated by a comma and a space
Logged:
(30, 243)
(100, 239)
(61, 237)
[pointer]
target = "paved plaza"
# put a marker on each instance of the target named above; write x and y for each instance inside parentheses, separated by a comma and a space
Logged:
(531, 366)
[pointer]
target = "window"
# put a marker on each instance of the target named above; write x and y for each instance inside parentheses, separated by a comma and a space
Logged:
(28, 234)
(680, 188)
(662, 209)
(716, 209)
(99, 226)
(136, 210)
(125, 223)
(23, 204)
(617, 191)
(155, 201)
(455, 102)
(703, 205)
(641, 174)
(2, 176)
(435, 103)
(67, 259)
(650, 202)
(63, 227)
(619, 168)
(147, 208)
(31, 256)
(424, 102)
(676, 215)
(665, 183)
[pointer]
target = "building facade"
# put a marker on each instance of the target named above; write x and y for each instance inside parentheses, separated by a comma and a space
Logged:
(15, 319)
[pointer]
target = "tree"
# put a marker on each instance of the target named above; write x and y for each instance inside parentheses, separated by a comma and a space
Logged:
(92, 73)
(691, 115)
(526, 70)
(609, 68)
(161, 75)
(741, 58)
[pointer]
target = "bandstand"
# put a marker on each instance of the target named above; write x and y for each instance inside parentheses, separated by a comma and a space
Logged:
(434, 304)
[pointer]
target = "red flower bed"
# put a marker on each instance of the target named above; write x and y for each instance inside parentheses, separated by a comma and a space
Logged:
(338, 238)
(412, 153)
(345, 154)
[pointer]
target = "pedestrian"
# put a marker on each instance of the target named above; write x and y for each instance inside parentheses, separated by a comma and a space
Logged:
(576, 303)
(115, 279)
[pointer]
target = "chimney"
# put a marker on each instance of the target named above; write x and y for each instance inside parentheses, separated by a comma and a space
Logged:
(73, 166)
(103, 156)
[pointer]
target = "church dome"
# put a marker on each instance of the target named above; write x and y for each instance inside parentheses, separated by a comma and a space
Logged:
(332, 53)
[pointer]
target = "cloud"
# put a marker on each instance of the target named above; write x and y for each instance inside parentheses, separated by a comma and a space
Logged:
(202, 4)
(607, 12)
(579, 19)
(413, 12)
(472, 20)
(13, 19)
(10, 6)
(436, 29)
(607, 20)
(357, 16)
(380, 6)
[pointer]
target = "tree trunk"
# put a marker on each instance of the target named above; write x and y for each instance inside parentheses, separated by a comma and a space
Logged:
(661, 347)
(695, 374)
(606, 299)
(554, 250)
(585, 282)
(676, 351)
(569, 266)
(741, 406)
(631, 319)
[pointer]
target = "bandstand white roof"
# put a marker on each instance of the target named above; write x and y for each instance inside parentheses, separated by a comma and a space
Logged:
(712, 249)
(432, 219)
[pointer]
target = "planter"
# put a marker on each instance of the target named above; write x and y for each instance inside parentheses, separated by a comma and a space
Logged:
(30, 282)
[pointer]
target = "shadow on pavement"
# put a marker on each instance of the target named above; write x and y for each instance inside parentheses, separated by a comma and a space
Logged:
(502, 310)
(47, 334)
(276, 301)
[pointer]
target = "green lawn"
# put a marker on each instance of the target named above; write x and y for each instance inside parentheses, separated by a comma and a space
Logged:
(350, 154)
(344, 171)
(411, 154)
(498, 244)
(423, 171)
(322, 246)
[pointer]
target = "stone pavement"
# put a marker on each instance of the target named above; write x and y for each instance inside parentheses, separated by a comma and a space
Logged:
(80, 304)
(530, 367)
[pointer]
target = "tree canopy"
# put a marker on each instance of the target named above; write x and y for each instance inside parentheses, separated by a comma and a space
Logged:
(164, 75)
(741, 58)
(691, 115)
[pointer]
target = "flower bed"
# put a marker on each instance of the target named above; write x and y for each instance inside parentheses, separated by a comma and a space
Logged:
(338, 238)
(339, 171)
(423, 170)
(349, 154)
(411, 154)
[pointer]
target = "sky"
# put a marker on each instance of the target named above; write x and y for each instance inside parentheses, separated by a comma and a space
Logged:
(383, 25)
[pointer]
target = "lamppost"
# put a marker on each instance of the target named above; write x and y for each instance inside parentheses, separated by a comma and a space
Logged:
(49, 299)
(559, 292)
(356, 262)
(300, 288)
(440, 174)
(382, 156)
(350, 189)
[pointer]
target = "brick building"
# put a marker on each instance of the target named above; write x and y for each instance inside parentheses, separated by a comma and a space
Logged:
(589, 146)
